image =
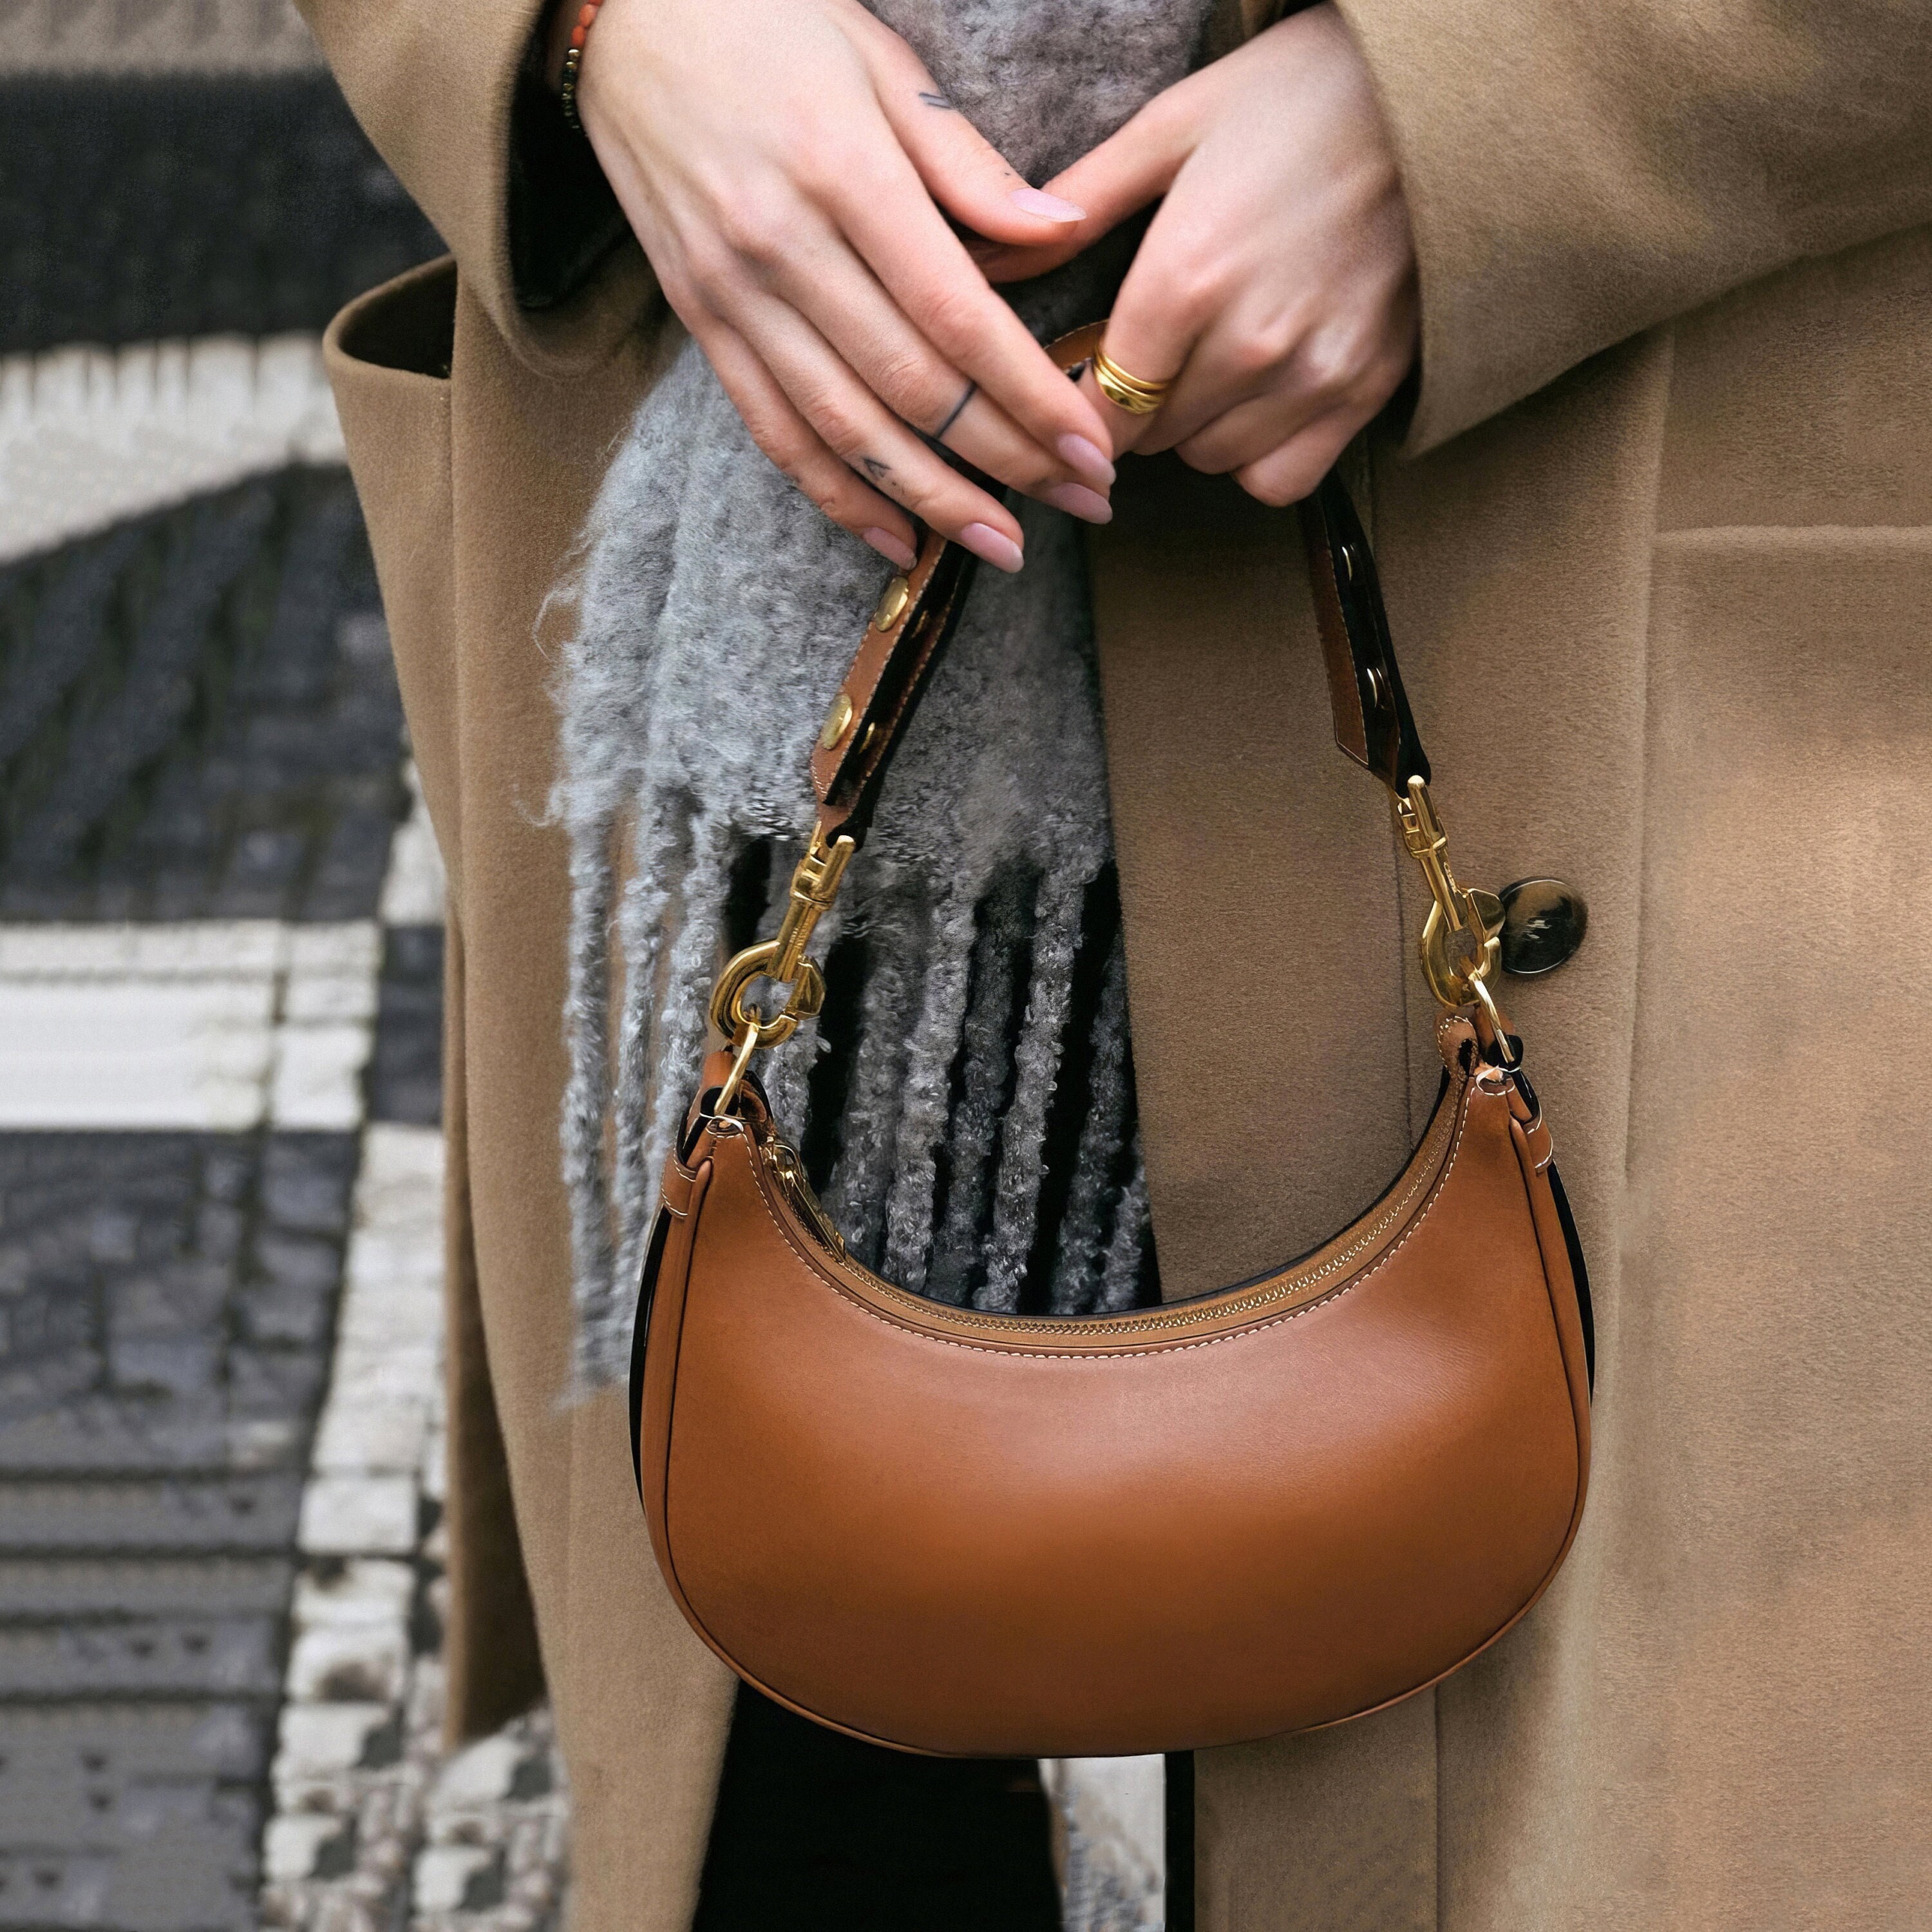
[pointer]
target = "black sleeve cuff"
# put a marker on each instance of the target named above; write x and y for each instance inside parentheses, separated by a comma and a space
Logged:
(563, 217)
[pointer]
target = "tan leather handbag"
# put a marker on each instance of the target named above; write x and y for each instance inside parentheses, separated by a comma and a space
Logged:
(1260, 1510)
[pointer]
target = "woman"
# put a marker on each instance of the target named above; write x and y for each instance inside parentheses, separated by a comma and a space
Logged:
(1656, 527)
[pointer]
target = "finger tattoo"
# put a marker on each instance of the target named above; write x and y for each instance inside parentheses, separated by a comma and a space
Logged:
(884, 477)
(972, 389)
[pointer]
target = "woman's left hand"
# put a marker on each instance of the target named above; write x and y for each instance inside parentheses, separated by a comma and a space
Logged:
(1276, 282)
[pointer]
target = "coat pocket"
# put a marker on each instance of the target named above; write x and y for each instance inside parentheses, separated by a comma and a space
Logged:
(388, 355)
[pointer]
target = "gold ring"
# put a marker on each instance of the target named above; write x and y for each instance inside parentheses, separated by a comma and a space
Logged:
(1135, 394)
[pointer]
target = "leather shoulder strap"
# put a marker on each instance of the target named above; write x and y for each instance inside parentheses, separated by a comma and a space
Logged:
(1372, 722)
(920, 610)
(903, 640)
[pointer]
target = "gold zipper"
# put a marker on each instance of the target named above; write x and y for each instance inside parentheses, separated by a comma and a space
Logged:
(789, 1171)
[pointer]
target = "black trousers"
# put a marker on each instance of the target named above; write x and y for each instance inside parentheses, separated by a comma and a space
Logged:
(814, 1829)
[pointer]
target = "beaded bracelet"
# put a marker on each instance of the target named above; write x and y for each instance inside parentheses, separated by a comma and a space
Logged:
(573, 60)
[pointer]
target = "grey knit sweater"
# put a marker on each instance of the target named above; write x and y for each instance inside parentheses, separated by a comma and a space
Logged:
(965, 1104)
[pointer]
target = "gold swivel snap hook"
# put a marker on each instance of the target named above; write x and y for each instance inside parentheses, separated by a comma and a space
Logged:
(814, 885)
(1462, 937)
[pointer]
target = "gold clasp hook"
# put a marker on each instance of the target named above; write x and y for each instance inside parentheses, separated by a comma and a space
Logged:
(814, 885)
(1461, 938)
(742, 1048)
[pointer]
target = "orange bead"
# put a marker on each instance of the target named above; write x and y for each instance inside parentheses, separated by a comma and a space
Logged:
(589, 13)
(577, 36)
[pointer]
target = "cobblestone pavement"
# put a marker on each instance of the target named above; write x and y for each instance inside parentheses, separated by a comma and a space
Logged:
(167, 1299)
(220, 1445)
(198, 718)
(160, 196)
(220, 1011)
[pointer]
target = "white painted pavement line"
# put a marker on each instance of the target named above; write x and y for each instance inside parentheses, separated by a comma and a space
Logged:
(358, 1742)
(369, 1820)
(384, 1390)
(90, 437)
(217, 1025)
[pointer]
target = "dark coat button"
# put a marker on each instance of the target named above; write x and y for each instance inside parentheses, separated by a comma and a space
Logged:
(1544, 921)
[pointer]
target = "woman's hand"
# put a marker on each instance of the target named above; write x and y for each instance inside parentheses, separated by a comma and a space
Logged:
(780, 161)
(1277, 280)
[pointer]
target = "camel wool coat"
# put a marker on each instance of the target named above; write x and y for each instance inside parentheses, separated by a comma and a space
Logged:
(1657, 547)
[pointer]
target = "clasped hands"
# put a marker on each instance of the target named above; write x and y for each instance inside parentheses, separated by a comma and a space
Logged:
(789, 166)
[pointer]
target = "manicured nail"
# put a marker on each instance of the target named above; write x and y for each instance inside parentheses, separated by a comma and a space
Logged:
(1087, 459)
(1037, 201)
(1000, 551)
(889, 546)
(1077, 500)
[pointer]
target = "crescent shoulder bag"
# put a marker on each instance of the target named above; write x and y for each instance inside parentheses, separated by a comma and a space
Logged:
(1264, 1510)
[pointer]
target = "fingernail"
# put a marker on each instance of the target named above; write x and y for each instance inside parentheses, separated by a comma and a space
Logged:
(889, 546)
(1089, 459)
(1077, 500)
(1037, 201)
(1000, 551)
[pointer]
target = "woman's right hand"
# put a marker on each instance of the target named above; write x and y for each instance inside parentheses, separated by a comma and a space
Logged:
(784, 164)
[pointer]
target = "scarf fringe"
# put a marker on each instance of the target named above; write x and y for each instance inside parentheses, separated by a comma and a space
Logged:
(962, 1029)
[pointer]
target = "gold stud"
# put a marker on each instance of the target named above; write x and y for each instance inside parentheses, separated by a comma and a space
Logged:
(837, 722)
(893, 601)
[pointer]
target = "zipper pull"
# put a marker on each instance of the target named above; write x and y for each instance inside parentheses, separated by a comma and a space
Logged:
(790, 1172)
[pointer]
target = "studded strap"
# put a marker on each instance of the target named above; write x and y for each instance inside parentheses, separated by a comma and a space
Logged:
(919, 611)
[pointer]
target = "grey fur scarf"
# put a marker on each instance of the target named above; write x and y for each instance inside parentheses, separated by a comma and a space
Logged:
(716, 610)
